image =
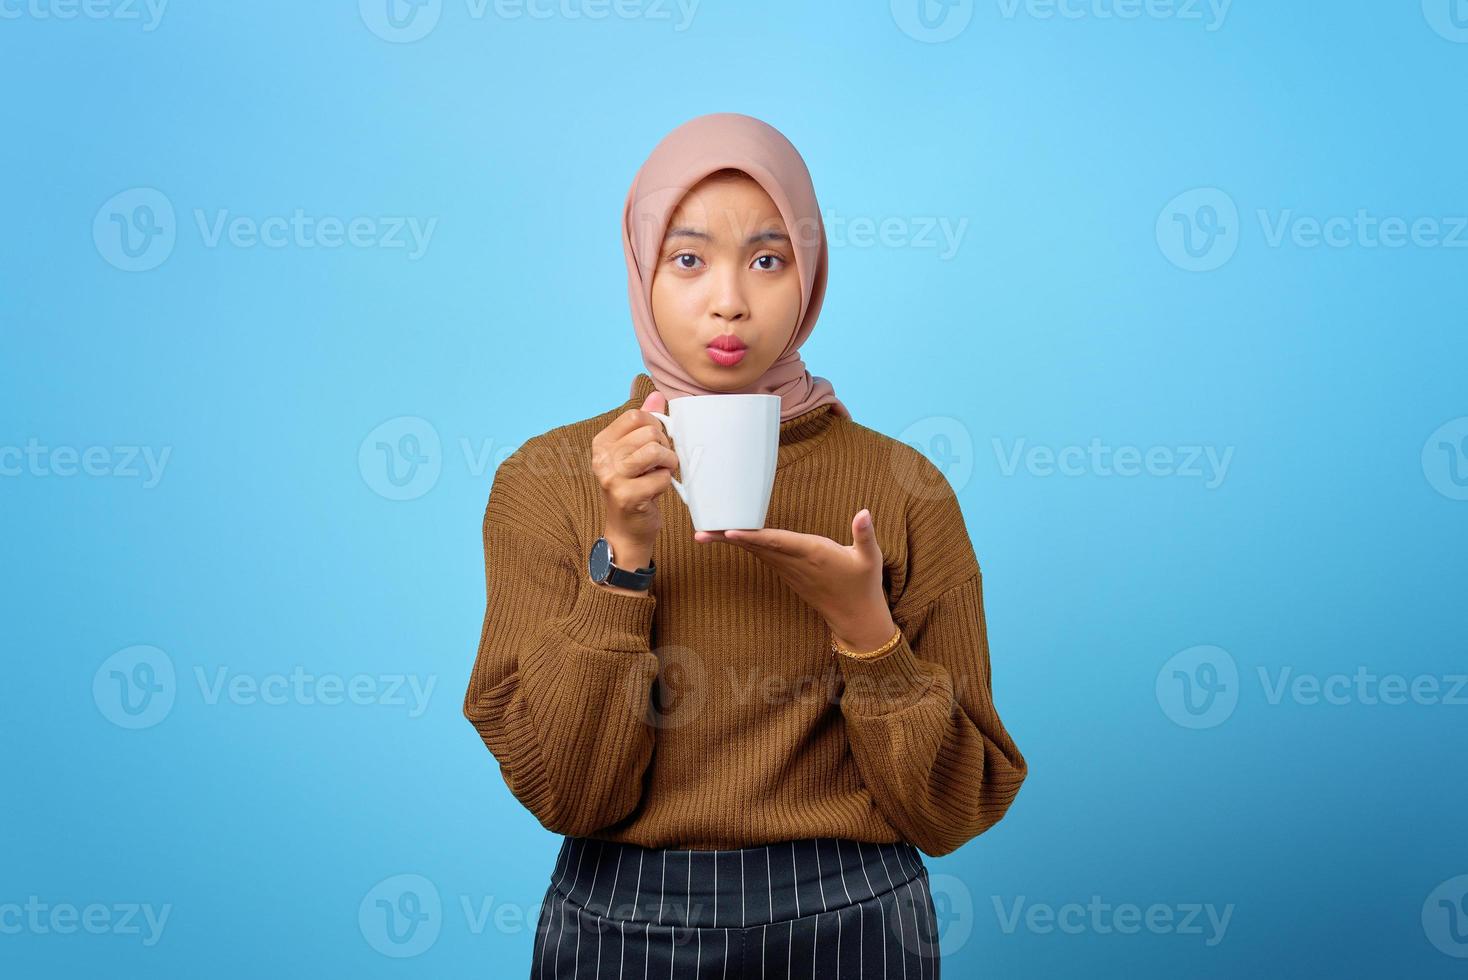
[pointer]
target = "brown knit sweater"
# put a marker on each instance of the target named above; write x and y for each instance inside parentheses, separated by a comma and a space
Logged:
(711, 712)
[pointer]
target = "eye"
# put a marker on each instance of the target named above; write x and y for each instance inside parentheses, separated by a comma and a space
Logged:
(678, 263)
(772, 258)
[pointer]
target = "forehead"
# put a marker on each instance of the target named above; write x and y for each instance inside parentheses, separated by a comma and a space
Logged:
(726, 207)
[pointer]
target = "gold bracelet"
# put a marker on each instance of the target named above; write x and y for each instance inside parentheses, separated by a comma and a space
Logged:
(836, 647)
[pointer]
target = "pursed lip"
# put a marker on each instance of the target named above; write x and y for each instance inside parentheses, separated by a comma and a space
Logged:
(729, 342)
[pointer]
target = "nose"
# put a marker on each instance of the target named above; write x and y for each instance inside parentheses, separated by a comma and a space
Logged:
(727, 302)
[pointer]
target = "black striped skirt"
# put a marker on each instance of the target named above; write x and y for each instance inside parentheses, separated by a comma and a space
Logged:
(819, 907)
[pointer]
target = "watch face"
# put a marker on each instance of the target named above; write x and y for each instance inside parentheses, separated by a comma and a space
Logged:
(600, 563)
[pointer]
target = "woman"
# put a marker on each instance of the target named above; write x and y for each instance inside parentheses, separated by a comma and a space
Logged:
(745, 737)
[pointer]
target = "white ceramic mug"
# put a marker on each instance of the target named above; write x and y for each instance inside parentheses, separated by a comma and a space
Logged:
(727, 447)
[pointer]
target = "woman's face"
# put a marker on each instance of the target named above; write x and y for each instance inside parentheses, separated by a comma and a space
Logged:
(726, 272)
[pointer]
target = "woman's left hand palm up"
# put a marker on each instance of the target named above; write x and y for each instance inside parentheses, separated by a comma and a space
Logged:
(841, 582)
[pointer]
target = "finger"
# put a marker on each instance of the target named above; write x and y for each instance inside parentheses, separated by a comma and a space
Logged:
(774, 540)
(864, 535)
(644, 434)
(635, 418)
(643, 489)
(775, 559)
(642, 459)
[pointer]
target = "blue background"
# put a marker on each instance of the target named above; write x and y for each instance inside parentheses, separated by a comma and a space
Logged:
(1331, 543)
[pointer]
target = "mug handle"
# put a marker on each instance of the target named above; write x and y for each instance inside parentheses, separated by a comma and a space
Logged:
(668, 426)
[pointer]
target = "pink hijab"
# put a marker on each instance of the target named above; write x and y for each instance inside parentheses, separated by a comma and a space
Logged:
(685, 156)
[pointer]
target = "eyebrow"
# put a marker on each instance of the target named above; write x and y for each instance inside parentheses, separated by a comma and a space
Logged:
(755, 239)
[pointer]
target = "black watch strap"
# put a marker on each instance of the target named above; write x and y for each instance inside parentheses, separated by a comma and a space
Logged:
(602, 569)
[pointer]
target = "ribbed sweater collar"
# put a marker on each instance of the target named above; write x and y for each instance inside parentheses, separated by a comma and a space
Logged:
(798, 436)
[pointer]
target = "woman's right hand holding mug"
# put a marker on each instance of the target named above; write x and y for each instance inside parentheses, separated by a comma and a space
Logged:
(634, 462)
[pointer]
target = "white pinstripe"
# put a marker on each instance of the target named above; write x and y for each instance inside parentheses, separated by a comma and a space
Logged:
(688, 900)
(917, 933)
(622, 958)
(841, 865)
(635, 896)
(815, 939)
(561, 859)
(902, 932)
(716, 915)
(795, 872)
(879, 905)
(538, 946)
(765, 929)
(932, 913)
(790, 938)
(580, 856)
(770, 882)
(576, 968)
(903, 855)
(663, 888)
(564, 864)
(610, 911)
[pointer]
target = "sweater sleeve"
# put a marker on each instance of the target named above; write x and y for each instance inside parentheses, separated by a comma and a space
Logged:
(561, 685)
(921, 719)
